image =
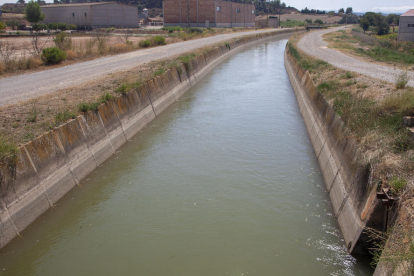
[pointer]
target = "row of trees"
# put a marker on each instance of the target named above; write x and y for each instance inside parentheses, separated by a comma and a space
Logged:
(312, 11)
(378, 22)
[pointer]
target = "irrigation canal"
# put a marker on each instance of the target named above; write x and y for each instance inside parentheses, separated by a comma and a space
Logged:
(224, 182)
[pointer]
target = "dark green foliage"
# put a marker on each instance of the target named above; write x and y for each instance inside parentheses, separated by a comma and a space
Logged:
(60, 26)
(33, 13)
(172, 29)
(53, 55)
(159, 72)
(84, 107)
(144, 43)
(12, 23)
(158, 40)
(318, 21)
(37, 27)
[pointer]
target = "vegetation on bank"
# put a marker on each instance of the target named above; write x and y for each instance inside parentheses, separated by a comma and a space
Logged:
(384, 48)
(373, 112)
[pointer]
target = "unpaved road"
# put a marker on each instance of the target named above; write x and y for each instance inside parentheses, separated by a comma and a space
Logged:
(313, 44)
(27, 86)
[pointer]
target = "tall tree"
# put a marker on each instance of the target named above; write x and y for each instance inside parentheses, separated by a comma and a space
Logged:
(33, 13)
(341, 10)
(349, 10)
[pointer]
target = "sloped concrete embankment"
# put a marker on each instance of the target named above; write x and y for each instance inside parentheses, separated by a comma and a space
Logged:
(52, 164)
(347, 180)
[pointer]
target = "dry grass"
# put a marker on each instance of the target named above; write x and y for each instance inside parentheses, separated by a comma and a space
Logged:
(373, 111)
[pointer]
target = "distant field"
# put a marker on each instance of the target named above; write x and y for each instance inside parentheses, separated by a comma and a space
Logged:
(302, 17)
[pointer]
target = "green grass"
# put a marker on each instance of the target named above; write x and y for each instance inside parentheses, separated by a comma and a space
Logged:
(397, 184)
(292, 23)
(383, 54)
(159, 71)
(64, 116)
(186, 60)
(308, 64)
(8, 153)
(123, 88)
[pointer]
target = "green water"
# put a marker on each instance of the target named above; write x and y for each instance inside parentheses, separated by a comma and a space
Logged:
(224, 182)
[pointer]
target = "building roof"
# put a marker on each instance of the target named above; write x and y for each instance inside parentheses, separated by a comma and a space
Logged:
(76, 5)
(408, 13)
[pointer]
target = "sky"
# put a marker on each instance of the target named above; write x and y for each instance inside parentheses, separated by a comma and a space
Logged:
(384, 6)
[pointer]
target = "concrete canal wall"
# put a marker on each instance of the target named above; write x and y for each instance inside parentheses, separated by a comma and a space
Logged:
(347, 180)
(52, 164)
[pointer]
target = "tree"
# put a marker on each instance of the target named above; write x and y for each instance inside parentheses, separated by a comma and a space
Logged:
(341, 10)
(364, 24)
(33, 13)
(2, 26)
(349, 10)
(318, 21)
(331, 13)
(12, 23)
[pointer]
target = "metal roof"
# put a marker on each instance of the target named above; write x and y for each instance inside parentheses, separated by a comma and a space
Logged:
(76, 5)
(408, 13)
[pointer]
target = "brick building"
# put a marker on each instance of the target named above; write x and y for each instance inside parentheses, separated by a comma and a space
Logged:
(208, 13)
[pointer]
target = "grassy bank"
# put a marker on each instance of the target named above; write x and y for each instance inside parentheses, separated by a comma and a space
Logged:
(384, 48)
(373, 112)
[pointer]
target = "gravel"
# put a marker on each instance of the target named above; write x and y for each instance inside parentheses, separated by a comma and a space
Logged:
(27, 86)
(313, 44)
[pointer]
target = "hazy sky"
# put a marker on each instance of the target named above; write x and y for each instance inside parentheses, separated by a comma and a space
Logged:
(398, 6)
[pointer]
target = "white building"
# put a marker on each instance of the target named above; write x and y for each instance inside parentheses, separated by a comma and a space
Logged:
(99, 14)
(406, 28)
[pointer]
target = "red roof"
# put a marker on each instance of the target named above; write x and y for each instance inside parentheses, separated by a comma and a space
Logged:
(408, 13)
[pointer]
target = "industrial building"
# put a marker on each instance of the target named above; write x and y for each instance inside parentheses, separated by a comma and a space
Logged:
(208, 13)
(406, 28)
(98, 14)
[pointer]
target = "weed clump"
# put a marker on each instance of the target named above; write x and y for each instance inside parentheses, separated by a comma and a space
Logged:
(53, 55)
(144, 43)
(158, 40)
(401, 81)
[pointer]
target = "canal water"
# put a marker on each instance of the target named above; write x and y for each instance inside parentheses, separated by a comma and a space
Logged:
(224, 182)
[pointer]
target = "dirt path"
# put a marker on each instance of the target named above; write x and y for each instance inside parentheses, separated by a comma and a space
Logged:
(27, 86)
(313, 44)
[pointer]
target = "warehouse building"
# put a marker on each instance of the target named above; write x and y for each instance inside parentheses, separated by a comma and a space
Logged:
(99, 14)
(406, 28)
(208, 13)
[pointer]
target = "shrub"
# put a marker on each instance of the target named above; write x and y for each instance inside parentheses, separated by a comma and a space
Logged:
(119, 48)
(2, 26)
(123, 88)
(85, 107)
(62, 26)
(401, 80)
(172, 29)
(64, 116)
(63, 41)
(227, 45)
(53, 55)
(144, 43)
(71, 54)
(194, 30)
(158, 40)
(318, 21)
(37, 27)
(347, 75)
(106, 97)
(72, 27)
(397, 184)
(33, 62)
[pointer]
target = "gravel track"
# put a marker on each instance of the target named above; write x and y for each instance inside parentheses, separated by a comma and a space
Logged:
(31, 85)
(313, 44)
